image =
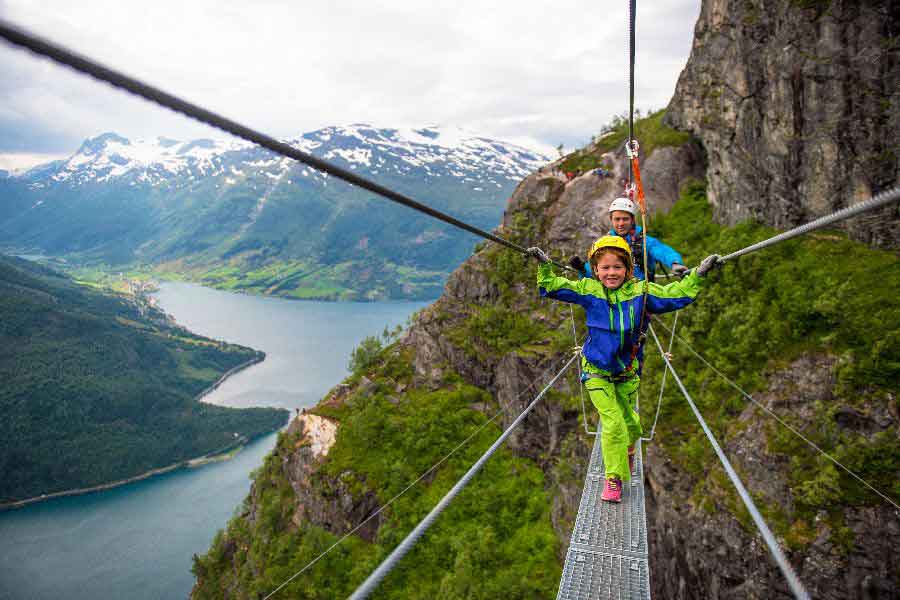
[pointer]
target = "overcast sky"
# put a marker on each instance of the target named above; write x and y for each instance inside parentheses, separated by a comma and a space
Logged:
(539, 74)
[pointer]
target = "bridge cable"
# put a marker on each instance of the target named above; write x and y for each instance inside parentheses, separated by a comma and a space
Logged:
(369, 585)
(772, 414)
(402, 492)
(881, 199)
(61, 55)
(632, 8)
(793, 581)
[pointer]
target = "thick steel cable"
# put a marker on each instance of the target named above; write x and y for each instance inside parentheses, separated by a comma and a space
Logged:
(632, 8)
(793, 581)
(882, 199)
(20, 37)
(386, 504)
(381, 509)
(773, 414)
(369, 585)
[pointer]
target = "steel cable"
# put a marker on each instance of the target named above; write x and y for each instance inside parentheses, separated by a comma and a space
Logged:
(773, 414)
(61, 55)
(793, 581)
(397, 496)
(879, 200)
(369, 585)
(632, 8)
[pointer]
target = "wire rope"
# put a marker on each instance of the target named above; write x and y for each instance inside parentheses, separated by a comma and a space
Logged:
(775, 416)
(369, 585)
(793, 581)
(401, 493)
(20, 37)
(662, 386)
(880, 200)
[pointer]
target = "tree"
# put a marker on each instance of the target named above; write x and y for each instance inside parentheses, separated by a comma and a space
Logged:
(364, 355)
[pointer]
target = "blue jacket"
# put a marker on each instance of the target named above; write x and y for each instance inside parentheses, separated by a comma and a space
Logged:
(656, 252)
(613, 316)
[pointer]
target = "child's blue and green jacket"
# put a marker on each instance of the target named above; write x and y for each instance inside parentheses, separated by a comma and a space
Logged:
(613, 316)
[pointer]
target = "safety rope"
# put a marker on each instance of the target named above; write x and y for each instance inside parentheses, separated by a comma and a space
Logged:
(369, 585)
(770, 412)
(636, 189)
(662, 386)
(793, 581)
(20, 37)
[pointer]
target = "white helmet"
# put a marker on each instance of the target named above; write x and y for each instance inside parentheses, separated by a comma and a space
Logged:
(623, 204)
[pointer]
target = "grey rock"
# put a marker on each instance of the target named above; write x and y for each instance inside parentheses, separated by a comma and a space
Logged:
(798, 110)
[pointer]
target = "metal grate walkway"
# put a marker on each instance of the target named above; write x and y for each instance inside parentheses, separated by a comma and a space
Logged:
(607, 556)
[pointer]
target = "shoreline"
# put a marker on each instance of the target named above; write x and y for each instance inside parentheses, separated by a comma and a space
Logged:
(258, 358)
(225, 453)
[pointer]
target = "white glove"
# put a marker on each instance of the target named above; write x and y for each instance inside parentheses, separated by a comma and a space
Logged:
(539, 254)
(709, 263)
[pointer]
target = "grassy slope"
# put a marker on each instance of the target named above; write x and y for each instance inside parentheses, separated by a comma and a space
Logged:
(651, 132)
(497, 529)
(93, 391)
(818, 294)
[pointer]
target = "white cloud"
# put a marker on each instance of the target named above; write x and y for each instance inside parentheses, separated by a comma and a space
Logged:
(512, 70)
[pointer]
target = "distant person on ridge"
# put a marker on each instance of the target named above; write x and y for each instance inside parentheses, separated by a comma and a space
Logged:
(612, 302)
(622, 214)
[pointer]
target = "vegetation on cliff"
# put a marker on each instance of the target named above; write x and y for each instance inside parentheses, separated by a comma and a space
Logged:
(498, 528)
(822, 295)
(97, 389)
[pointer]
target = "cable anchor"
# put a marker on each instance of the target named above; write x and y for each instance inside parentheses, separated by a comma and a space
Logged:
(632, 148)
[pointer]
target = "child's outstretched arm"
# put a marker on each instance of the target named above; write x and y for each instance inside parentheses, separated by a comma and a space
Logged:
(678, 294)
(559, 288)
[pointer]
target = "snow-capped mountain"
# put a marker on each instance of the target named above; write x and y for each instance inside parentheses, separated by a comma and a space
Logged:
(430, 152)
(196, 205)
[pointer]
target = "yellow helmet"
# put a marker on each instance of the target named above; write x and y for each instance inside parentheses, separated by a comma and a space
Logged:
(610, 241)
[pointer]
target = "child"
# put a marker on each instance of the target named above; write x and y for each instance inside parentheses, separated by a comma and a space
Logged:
(612, 304)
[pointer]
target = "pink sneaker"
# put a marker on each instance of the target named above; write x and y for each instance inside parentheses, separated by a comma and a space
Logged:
(612, 491)
(631, 459)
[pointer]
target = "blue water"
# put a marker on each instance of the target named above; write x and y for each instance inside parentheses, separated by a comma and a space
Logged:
(136, 541)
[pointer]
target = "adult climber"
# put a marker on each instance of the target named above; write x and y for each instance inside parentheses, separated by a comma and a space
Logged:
(622, 213)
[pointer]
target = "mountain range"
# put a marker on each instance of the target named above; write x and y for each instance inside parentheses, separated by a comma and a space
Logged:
(233, 215)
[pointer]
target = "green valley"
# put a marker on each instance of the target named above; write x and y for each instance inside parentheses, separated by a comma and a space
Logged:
(99, 386)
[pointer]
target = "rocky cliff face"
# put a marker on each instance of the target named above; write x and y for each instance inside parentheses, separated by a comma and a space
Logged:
(797, 104)
(703, 553)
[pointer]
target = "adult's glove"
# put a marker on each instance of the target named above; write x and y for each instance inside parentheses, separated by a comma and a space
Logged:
(577, 263)
(539, 254)
(679, 269)
(709, 263)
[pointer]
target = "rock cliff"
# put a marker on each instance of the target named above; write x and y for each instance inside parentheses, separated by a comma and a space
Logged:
(797, 104)
(785, 326)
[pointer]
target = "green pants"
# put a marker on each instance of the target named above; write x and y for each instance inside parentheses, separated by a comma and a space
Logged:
(621, 424)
